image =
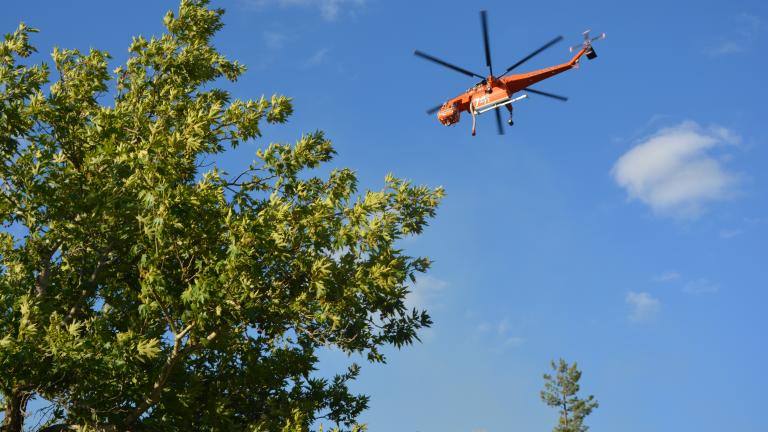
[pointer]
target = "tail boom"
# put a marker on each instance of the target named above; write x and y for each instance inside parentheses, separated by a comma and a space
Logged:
(516, 83)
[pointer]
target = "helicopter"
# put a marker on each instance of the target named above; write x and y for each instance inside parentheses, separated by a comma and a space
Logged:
(493, 92)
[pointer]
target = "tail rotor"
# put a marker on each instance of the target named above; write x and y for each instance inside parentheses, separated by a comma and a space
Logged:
(587, 44)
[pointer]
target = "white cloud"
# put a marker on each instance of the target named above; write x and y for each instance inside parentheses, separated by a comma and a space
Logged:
(329, 9)
(500, 333)
(425, 292)
(514, 341)
(274, 40)
(643, 306)
(742, 32)
(503, 327)
(700, 286)
(319, 57)
(725, 47)
(667, 276)
(674, 171)
(729, 233)
(484, 327)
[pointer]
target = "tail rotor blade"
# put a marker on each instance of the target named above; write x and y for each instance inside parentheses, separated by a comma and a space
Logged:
(533, 54)
(552, 95)
(499, 122)
(446, 64)
(434, 109)
(600, 37)
(484, 21)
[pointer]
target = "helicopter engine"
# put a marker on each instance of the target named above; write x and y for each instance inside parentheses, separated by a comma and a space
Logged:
(448, 114)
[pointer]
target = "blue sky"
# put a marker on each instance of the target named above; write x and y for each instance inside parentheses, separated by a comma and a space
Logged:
(623, 229)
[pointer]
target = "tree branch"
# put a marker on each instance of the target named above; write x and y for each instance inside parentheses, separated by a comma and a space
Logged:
(41, 282)
(159, 385)
(57, 428)
(90, 284)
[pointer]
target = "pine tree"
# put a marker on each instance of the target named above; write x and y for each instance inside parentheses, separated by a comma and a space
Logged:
(561, 391)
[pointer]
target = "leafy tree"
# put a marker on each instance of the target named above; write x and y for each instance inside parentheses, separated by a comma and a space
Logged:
(561, 391)
(142, 288)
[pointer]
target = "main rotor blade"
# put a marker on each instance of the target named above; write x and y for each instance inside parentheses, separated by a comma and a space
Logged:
(498, 122)
(554, 96)
(446, 64)
(533, 54)
(434, 109)
(484, 21)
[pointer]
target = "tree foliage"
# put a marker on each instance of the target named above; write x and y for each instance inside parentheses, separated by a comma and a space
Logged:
(143, 289)
(561, 392)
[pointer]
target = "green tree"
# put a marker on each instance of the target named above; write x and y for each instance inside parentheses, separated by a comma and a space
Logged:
(142, 288)
(561, 392)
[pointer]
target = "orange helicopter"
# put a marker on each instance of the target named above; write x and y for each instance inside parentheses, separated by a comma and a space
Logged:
(494, 92)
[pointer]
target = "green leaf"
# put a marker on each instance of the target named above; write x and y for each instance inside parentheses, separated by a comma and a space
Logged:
(148, 349)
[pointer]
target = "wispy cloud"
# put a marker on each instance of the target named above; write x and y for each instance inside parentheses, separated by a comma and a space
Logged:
(318, 57)
(667, 276)
(726, 47)
(329, 10)
(274, 40)
(484, 327)
(514, 341)
(700, 286)
(675, 172)
(742, 32)
(643, 306)
(728, 234)
(425, 292)
(500, 331)
(696, 286)
(502, 328)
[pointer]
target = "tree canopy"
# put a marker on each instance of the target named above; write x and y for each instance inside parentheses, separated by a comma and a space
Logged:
(561, 392)
(142, 288)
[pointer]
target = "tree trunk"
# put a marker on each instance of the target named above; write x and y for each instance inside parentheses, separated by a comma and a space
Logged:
(565, 414)
(14, 411)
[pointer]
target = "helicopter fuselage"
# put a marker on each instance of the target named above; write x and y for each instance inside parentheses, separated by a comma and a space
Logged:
(494, 92)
